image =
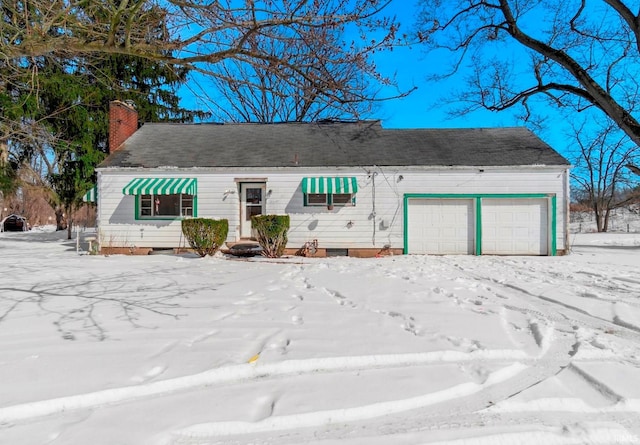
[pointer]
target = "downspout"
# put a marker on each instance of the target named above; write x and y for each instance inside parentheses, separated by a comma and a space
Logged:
(373, 211)
(98, 210)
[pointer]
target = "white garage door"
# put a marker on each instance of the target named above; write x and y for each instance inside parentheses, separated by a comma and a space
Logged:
(440, 226)
(515, 226)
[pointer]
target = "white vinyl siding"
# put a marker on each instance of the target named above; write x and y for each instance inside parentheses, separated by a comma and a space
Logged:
(375, 222)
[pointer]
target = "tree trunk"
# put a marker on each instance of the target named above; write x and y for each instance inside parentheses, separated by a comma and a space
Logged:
(69, 223)
(599, 215)
(605, 225)
(61, 222)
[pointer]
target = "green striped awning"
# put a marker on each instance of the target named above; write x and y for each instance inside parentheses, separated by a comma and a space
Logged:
(321, 184)
(91, 195)
(161, 186)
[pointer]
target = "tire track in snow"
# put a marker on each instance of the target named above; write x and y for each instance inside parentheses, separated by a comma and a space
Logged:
(460, 399)
(596, 435)
(555, 350)
(245, 372)
(329, 417)
(559, 357)
(550, 308)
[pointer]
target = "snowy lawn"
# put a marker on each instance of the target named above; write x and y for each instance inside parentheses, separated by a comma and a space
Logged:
(409, 350)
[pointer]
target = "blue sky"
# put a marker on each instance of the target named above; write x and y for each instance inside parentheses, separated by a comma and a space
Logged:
(424, 108)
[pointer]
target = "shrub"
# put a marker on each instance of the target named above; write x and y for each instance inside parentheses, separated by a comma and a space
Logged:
(204, 235)
(271, 233)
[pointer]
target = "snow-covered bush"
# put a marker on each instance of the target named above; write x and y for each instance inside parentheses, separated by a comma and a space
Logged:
(204, 235)
(271, 233)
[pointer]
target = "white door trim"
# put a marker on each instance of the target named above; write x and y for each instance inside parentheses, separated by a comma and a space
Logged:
(252, 202)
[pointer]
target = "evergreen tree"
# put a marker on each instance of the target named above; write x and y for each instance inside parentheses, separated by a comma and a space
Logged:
(75, 100)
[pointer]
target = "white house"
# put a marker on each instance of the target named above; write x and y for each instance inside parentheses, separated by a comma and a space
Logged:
(354, 187)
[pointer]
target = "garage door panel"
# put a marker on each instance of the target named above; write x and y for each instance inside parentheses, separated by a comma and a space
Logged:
(515, 226)
(441, 226)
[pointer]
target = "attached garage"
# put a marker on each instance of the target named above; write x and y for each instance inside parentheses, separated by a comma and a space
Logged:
(480, 224)
(441, 226)
(515, 226)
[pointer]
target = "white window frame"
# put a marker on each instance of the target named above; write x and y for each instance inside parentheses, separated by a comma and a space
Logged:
(146, 202)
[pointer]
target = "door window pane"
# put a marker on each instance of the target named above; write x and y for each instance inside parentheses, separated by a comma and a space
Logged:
(253, 211)
(254, 195)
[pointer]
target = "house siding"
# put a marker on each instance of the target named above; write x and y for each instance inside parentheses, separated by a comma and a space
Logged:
(374, 222)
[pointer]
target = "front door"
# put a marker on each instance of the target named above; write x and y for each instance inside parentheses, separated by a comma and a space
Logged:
(252, 202)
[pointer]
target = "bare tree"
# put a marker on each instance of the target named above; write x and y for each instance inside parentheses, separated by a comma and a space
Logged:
(292, 44)
(199, 35)
(602, 153)
(573, 53)
(261, 92)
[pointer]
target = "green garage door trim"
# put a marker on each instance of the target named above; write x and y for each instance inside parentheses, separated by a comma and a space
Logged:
(478, 219)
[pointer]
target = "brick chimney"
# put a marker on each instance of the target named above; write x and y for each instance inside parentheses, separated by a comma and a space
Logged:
(123, 122)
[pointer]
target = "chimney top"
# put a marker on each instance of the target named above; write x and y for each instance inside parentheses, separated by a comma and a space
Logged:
(123, 122)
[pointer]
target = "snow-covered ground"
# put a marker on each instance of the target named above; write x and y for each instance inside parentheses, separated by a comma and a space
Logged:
(409, 350)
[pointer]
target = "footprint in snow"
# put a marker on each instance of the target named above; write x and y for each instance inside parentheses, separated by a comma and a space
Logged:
(275, 288)
(263, 407)
(151, 373)
(340, 299)
(279, 344)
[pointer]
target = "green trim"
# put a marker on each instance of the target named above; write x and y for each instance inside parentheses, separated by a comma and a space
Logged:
(405, 217)
(478, 237)
(165, 218)
(554, 226)
(552, 243)
(479, 195)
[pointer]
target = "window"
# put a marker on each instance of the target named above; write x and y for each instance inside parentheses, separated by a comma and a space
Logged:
(329, 191)
(159, 206)
(341, 199)
(316, 199)
(334, 199)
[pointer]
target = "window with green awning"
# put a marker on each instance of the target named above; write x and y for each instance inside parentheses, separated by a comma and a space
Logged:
(329, 191)
(161, 186)
(163, 198)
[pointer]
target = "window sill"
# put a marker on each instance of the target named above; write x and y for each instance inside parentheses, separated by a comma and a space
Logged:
(161, 218)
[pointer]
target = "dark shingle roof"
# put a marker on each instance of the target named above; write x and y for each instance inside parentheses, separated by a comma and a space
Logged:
(328, 144)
